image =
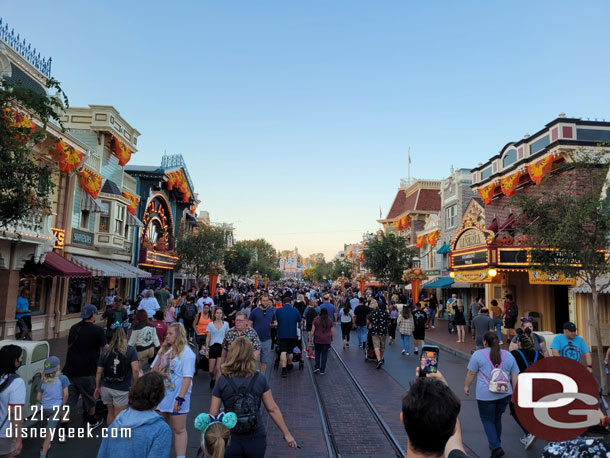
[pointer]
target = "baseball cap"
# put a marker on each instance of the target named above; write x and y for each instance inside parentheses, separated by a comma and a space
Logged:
(50, 365)
(88, 311)
(569, 326)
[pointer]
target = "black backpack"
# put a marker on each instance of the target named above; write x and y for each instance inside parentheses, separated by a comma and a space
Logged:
(190, 311)
(118, 317)
(513, 311)
(116, 367)
(245, 405)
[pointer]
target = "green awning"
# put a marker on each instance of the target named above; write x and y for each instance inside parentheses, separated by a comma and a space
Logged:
(444, 282)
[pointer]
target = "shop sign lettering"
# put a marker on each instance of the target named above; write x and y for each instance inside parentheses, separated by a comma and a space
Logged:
(82, 237)
(469, 238)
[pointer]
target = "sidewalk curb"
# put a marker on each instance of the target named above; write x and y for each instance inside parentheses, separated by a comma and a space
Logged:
(449, 349)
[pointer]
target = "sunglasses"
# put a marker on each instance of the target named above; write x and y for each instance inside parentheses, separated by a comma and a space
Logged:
(529, 319)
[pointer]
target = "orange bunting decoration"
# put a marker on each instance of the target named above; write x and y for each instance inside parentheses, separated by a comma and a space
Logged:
(177, 179)
(20, 121)
(509, 183)
(351, 254)
(540, 168)
(397, 224)
(487, 193)
(405, 221)
(420, 241)
(91, 181)
(133, 202)
(68, 157)
(433, 238)
(121, 151)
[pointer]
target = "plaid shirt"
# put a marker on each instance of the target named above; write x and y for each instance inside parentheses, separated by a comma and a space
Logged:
(405, 325)
(232, 334)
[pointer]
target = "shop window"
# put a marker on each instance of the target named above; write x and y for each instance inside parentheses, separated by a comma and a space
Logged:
(539, 144)
(127, 232)
(451, 217)
(98, 292)
(105, 218)
(77, 295)
(119, 219)
(84, 219)
(39, 292)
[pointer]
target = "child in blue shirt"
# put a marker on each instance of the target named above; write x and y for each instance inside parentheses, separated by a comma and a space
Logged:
(52, 394)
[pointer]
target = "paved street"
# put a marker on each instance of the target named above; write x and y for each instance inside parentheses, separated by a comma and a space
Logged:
(296, 398)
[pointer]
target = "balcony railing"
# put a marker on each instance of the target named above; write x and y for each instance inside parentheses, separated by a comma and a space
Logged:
(93, 161)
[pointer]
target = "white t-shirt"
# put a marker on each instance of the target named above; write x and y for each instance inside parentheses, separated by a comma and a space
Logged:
(177, 369)
(149, 304)
(204, 300)
(11, 396)
(217, 335)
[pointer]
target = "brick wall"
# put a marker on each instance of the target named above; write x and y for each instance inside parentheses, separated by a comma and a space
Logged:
(569, 181)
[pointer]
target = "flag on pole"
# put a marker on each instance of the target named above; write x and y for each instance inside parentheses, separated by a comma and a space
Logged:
(409, 155)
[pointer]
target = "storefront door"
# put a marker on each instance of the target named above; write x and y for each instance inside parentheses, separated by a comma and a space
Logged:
(562, 307)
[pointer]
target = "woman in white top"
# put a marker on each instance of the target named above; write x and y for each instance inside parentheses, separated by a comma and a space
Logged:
(176, 360)
(215, 335)
(347, 320)
(149, 303)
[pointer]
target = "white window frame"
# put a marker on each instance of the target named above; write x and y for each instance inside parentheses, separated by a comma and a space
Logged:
(451, 219)
(119, 219)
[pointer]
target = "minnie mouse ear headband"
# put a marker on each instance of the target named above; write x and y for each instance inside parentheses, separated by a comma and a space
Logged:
(204, 420)
(528, 319)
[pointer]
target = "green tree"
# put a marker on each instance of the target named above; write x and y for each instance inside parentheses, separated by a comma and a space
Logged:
(342, 265)
(26, 184)
(569, 231)
(387, 257)
(237, 259)
(263, 250)
(199, 251)
(264, 269)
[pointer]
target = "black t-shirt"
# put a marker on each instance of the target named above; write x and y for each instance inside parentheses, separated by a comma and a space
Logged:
(419, 319)
(379, 322)
(85, 342)
(110, 315)
(300, 306)
(530, 355)
(228, 308)
(361, 312)
(310, 314)
(457, 454)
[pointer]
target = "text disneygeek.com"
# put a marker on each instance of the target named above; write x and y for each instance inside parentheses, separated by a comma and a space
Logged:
(68, 433)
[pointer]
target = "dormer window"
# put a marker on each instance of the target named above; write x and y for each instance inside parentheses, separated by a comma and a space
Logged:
(509, 158)
(486, 173)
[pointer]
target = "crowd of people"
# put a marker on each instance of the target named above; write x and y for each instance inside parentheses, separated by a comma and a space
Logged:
(141, 365)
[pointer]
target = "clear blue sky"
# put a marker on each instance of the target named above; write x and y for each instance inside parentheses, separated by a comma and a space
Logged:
(295, 117)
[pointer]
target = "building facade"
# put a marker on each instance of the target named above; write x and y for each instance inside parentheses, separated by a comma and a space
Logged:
(491, 252)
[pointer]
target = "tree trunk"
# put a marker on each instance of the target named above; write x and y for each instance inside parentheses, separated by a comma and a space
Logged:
(598, 338)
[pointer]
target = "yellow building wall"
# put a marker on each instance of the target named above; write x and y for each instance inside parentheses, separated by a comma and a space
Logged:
(584, 319)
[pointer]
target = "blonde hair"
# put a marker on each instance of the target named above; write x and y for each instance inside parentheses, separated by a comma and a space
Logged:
(51, 378)
(171, 303)
(178, 346)
(373, 303)
(240, 360)
(215, 440)
(460, 305)
(118, 343)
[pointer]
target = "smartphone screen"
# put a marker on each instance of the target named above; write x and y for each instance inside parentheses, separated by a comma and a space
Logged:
(428, 361)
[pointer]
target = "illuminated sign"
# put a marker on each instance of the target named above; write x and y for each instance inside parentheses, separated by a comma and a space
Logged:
(60, 235)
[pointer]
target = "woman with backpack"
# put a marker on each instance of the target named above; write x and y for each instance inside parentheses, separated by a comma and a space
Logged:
(241, 388)
(115, 316)
(189, 314)
(117, 369)
(525, 355)
(177, 361)
(12, 397)
(144, 339)
(496, 371)
(405, 328)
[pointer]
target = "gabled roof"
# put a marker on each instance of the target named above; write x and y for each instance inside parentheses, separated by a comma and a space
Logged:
(110, 187)
(424, 200)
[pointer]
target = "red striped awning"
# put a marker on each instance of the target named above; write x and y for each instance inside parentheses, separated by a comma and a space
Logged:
(54, 265)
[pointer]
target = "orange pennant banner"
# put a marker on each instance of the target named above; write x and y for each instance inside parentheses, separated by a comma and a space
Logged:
(68, 158)
(487, 193)
(133, 202)
(540, 168)
(21, 121)
(421, 239)
(91, 181)
(433, 238)
(509, 183)
(121, 151)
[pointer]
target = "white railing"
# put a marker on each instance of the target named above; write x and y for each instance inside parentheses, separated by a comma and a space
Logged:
(93, 161)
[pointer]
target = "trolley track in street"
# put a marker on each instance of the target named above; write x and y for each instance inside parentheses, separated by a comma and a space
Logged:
(352, 425)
